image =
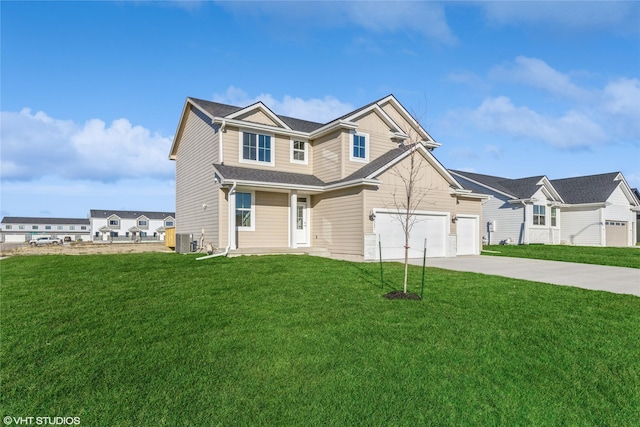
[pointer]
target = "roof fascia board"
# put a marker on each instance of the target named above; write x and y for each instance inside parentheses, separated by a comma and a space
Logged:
(308, 188)
(546, 183)
(585, 205)
(259, 126)
(483, 185)
(470, 194)
(383, 115)
(174, 145)
(626, 189)
(330, 127)
(408, 117)
(263, 108)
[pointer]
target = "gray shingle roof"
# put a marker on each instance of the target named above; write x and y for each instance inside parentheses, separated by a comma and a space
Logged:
(522, 188)
(587, 189)
(105, 213)
(37, 220)
(288, 178)
(217, 109)
(267, 176)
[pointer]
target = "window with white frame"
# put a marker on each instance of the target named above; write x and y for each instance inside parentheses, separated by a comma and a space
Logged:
(8, 227)
(114, 222)
(554, 216)
(539, 215)
(256, 148)
(47, 227)
(244, 211)
(299, 151)
(359, 150)
(59, 227)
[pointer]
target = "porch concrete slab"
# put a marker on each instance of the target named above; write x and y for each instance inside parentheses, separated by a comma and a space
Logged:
(619, 280)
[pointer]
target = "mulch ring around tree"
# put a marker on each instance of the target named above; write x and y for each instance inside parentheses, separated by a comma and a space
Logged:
(401, 295)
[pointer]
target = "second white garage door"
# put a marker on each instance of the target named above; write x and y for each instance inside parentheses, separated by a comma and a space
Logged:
(433, 227)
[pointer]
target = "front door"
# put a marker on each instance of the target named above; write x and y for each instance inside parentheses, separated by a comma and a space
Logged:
(302, 221)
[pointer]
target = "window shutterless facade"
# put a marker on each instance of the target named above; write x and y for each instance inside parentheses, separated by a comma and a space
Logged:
(244, 211)
(256, 148)
(359, 149)
(299, 151)
(539, 215)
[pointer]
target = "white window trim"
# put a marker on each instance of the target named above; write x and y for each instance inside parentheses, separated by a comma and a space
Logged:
(306, 152)
(533, 215)
(256, 162)
(253, 211)
(366, 148)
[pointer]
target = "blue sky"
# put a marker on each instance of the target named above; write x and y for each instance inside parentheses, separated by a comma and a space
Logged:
(91, 92)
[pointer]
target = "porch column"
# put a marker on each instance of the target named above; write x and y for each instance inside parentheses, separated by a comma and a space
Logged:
(232, 219)
(293, 217)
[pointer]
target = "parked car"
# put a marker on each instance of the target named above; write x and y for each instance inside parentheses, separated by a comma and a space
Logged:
(40, 241)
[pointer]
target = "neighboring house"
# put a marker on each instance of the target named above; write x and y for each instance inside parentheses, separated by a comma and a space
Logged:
(520, 211)
(600, 210)
(596, 210)
(113, 225)
(247, 178)
(23, 229)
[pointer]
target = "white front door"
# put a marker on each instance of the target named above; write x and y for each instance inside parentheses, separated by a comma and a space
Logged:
(302, 222)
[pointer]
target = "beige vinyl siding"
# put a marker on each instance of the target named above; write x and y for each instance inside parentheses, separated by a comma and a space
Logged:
(281, 147)
(433, 186)
(400, 121)
(379, 141)
(337, 221)
(223, 215)
(271, 222)
(465, 206)
(328, 155)
(258, 116)
(197, 151)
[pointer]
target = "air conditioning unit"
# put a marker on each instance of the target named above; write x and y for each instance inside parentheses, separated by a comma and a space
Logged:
(183, 243)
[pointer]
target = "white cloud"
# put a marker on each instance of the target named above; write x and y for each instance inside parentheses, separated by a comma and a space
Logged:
(537, 73)
(588, 117)
(616, 16)
(572, 130)
(36, 145)
(315, 109)
(426, 18)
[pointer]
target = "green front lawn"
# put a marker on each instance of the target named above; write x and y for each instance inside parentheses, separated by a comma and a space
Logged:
(617, 257)
(162, 339)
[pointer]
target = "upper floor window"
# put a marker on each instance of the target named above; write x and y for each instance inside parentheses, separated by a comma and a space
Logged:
(72, 227)
(59, 227)
(257, 148)
(83, 227)
(539, 214)
(114, 222)
(142, 223)
(8, 227)
(34, 227)
(359, 147)
(47, 227)
(168, 223)
(21, 227)
(299, 151)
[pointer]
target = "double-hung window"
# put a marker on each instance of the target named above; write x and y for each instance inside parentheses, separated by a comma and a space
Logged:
(298, 151)
(244, 211)
(539, 215)
(554, 216)
(257, 148)
(359, 150)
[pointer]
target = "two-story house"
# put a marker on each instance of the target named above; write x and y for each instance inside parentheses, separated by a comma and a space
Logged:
(248, 178)
(119, 225)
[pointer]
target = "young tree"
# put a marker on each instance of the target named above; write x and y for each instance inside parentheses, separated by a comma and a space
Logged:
(408, 196)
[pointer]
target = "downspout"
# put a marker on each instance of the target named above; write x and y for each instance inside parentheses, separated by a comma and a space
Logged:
(226, 250)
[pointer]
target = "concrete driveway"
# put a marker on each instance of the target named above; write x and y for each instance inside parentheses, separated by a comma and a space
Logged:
(619, 280)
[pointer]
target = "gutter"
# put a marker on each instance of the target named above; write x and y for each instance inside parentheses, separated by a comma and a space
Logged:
(226, 250)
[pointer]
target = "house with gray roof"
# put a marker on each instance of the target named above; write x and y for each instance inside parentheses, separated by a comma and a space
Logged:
(250, 179)
(121, 225)
(595, 210)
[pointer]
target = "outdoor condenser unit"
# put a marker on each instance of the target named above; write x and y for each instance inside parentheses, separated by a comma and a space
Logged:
(183, 243)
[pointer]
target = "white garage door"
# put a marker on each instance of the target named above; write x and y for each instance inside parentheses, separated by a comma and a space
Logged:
(616, 233)
(391, 236)
(467, 236)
